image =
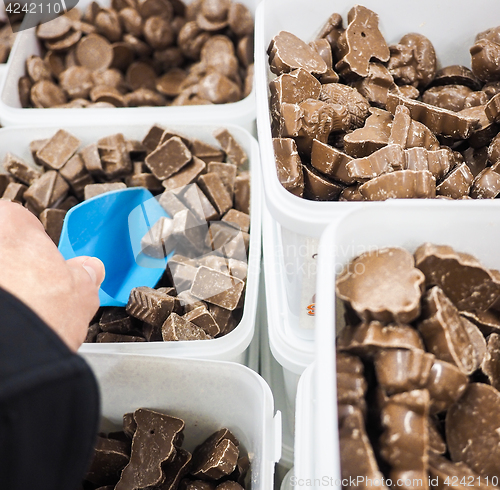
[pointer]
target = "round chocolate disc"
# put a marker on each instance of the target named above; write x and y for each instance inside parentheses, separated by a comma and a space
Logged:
(170, 84)
(123, 55)
(94, 52)
(55, 29)
(46, 94)
(140, 74)
(65, 43)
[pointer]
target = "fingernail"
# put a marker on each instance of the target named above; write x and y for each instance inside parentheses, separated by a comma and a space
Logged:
(95, 269)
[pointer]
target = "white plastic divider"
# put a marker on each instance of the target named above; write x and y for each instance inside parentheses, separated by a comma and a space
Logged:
(231, 347)
(241, 113)
(450, 26)
(292, 352)
(474, 230)
(207, 395)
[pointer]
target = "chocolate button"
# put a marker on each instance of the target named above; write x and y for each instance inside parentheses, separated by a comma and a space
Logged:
(37, 69)
(67, 42)
(94, 52)
(240, 19)
(45, 94)
(158, 32)
(55, 29)
(140, 74)
(76, 81)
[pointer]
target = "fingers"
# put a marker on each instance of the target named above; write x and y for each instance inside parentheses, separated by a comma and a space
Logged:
(92, 266)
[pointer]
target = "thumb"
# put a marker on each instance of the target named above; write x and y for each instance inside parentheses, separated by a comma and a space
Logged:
(92, 265)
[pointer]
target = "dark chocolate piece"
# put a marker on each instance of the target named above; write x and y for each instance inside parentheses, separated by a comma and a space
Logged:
(115, 320)
(150, 305)
(109, 459)
(178, 328)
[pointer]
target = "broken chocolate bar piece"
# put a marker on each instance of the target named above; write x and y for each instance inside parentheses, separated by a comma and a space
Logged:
(109, 459)
(216, 457)
(159, 241)
(46, 191)
(93, 190)
(115, 320)
(58, 150)
(457, 183)
(213, 187)
(330, 161)
(202, 318)
(486, 185)
(289, 165)
(387, 159)
(217, 288)
(437, 162)
(368, 285)
(198, 203)
(153, 445)
(176, 469)
(239, 220)
(468, 284)
(471, 433)
(114, 155)
(318, 187)
(178, 328)
(168, 158)
(491, 362)
(150, 305)
(20, 170)
(186, 175)
(52, 220)
(242, 192)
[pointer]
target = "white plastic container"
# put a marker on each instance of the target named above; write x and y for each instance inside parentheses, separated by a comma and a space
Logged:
(450, 26)
(231, 396)
(230, 347)
(474, 230)
(286, 483)
(291, 351)
(26, 44)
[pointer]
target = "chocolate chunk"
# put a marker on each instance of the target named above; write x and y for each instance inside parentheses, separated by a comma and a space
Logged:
(202, 318)
(351, 193)
(159, 241)
(239, 220)
(404, 442)
(76, 82)
(168, 158)
(351, 383)
(114, 155)
(437, 162)
(451, 97)
(484, 55)
(150, 305)
(487, 321)
(216, 457)
(368, 338)
(65, 43)
(107, 95)
(235, 154)
(20, 169)
(330, 161)
(129, 425)
(176, 469)
(24, 86)
(289, 165)
(375, 86)
(363, 41)
(287, 52)
(436, 441)
(94, 52)
(386, 159)
(402, 184)
(189, 233)
(367, 284)
(196, 201)
(93, 190)
(463, 279)
(153, 444)
(357, 458)
(471, 433)
(319, 188)
(58, 150)
(37, 69)
(182, 271)
(171, 203)
(214, 189)
(52, 220)
(75, 173)
(92, 333)
(491, 362)
(14, 192)
(149, 181)
(242, 192)
(445, 333)
(106, 337)
(439, 121)
(456, 75)
(217, 288)
(205, 151)
(46, 191)
(486, 185)
(109, 459)
(373, 136)
(400, 370)
(115, 320)
(92, 160)
(178, 328)
(457, 183)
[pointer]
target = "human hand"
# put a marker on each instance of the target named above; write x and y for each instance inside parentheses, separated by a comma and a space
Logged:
(64, 294)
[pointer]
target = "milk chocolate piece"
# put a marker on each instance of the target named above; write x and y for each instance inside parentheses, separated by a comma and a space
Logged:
(20, 169)
(357, 458)
(437, 162)
(159, 241)
(400, 370)
(234, 152)
(371, 137)
(409, 133)
(451, 97)
(150, 305)
(205, 151)
(65, 43)
(170, 202)
(491, 362)
(94, 52)
(385, 160)
(45, 94)
(446, 384)
(457, 183)
(324, 49)
(242, 192)
(287, 52)
(5, 180)
(217, 288)
(189, 233)
(237, 219)
(487, 321)
(77, 176)
(76, 82)
(108, 95)
(109, 459)
(367, 284)
(289, 165)
(202, 318)
(37, 69)
(214, 189)
(46, 191)
(107, 337)
(368, 338)
(463, 279)
(445, 334)
(216, 88)
(376, 84)
(92, 160)
(405, 440)
(330, 161)
(484, 56)
(227, 173)
(402, 184)
(413, 61)
(216, 457)
(152, 447)
(178, 328)
(196, 201)
(486, 185)
(189, 302)
(456, 75)
(351, 193)
(471, 433)
(55, 29)
(114, 155)
(492, 108)
(93, 190)
(351, 383)
(319, 188)
(439, 121)
(436, 441)
(149, 181)
(168, 158)
(58, 150)
(14, 192)
(198, 485)
(229, 485)
(52, 220)
(115, 320)
(24, 86)
(181, 271)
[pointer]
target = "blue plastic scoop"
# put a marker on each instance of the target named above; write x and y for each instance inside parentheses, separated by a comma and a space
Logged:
(110, 226)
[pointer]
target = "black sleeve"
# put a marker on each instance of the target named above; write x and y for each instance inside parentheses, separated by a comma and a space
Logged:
(49, 405)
